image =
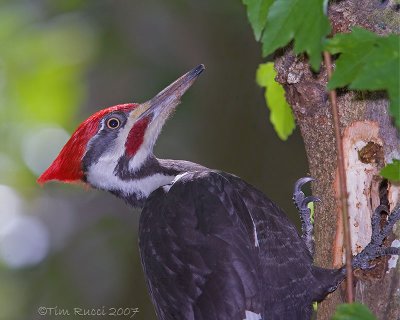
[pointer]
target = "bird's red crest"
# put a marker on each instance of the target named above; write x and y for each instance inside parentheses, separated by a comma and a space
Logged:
(67, 167)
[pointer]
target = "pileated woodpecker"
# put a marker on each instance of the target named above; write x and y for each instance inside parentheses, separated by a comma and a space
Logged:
(212, 246)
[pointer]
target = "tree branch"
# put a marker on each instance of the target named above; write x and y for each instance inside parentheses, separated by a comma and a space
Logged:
(342, 187)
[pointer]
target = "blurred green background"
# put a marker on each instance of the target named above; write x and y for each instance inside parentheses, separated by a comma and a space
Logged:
(66, 246)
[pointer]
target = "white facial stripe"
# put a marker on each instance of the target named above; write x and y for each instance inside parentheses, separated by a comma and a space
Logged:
(139, 158)
(119, 143)
(117, 149)
(151, 134)
(102, 177)
(144, 150)
(101, 173)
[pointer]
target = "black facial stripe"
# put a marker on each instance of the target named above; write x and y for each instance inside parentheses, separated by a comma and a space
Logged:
(153, 166)
(102, 141)
(150, 167)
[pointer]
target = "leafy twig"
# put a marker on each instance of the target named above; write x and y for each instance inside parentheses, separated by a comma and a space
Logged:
(342, 184)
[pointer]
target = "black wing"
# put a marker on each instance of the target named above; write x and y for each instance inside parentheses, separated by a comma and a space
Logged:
(214, 247)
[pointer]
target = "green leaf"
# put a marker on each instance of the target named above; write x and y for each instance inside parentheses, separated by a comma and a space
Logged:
(353, 311)
(257, 11)
(392, 171)
(368, 62)
(303, 21)
(310, 206)
(281, 115)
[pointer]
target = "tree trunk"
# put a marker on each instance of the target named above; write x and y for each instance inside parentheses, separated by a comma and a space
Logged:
(370, 141)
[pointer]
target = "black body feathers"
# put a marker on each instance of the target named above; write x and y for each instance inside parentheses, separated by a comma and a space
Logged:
(213, 247)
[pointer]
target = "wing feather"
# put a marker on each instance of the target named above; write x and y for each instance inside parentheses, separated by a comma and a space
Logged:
(201, 258)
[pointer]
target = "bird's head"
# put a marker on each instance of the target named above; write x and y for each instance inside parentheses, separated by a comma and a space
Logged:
(109, 149)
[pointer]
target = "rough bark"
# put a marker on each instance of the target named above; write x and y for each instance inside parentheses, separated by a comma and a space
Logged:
(370, 141)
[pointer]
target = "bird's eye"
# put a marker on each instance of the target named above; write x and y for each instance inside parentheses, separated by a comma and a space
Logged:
(113, 123)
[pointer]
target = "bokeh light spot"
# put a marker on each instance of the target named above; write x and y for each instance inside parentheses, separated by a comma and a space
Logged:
(10, 207)
(40, 147)
(24, 240)
(25, 243)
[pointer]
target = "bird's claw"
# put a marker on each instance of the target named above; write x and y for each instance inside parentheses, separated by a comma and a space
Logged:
(298, 194)
(374, 249)
(299, 198)
(302, 181)
(307, 200)
(301, 202)
(375, 221)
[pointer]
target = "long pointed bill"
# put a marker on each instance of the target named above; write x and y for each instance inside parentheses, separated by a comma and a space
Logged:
(169, 98)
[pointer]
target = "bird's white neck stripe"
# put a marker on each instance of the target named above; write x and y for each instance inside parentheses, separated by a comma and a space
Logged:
(145, 149)
(139, 158)
(100, 177)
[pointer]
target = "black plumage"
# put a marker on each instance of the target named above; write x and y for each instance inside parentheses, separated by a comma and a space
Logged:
(213, 246)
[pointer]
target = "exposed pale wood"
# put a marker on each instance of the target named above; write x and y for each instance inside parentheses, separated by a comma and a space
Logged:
(365, 126)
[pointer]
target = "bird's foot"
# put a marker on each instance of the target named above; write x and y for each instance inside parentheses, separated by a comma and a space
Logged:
(375, 249)
(301, 202)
